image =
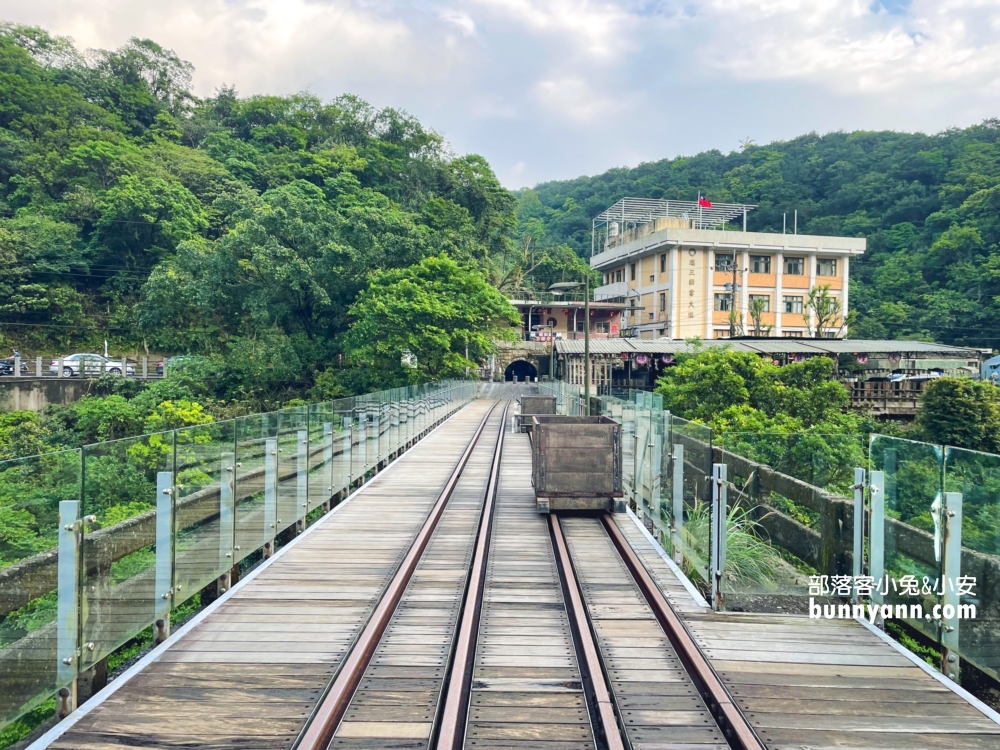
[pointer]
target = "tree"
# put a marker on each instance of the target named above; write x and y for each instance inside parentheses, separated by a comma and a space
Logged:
(961, 412)
(415, 324)
(823, 312)
(744, 391)
(756, 310)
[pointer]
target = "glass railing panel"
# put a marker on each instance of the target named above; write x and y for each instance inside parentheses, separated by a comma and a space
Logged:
(692, 526)
(293, 477)
(790, 514)
(37, 626)
(127, 551)
(642, 494)
(205, 510)
(975, 477)
(321, 445)
(252, 528)
(628, 421)
(908, 477)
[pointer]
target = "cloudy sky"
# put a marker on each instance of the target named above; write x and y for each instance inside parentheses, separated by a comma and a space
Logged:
(552, 89)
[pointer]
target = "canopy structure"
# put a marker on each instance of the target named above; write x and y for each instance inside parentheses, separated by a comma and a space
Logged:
(630, 212)
(775, 346)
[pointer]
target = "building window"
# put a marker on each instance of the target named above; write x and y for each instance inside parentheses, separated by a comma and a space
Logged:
(652, 278)
(795, 266)
(721, 333)
(661, 332)
(723, 302)
(792, 334)
(829, 334)
(618, 275)
(724, 263)
(792, 305)
(631, 269)
(579, 324)
(603, 326)
(652, 315)
(663, 262)
(765, 301)
(663, 302)
(760, 264)
(826, 266)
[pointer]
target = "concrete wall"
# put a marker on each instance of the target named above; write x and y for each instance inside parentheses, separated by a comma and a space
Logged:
(34, 394)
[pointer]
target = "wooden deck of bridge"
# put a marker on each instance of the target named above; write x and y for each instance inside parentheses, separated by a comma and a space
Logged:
(248, 676)
(822, 684)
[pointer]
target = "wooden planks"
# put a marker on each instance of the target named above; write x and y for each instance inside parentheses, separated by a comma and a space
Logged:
(288, 629)
(657, 702)
(400, 692)
(834, 684)
(823, 684)
(527, 690)
(667, 581)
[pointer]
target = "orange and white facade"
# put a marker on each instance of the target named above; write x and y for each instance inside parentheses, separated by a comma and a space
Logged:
(675, 276)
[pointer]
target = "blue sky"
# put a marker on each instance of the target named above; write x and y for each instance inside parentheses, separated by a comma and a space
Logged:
(552, 89)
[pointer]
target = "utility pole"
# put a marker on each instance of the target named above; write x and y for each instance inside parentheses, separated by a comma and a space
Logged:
(586, 341)
(732, 302)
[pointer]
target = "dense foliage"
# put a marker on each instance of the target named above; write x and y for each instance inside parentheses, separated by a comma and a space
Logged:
(929, 206)
(240, 228)
(960, 412)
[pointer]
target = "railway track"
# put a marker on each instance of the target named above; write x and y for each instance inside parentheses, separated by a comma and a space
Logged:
(501, 629)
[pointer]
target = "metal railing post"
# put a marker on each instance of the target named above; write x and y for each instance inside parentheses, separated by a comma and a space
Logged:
(68, 605)
(876, 533)
(270, 494)
(227, 516)
(859, 527)
(677, 511)
(328, 464)
(164, 587)
(348, 427)
(719, 509)
(301, 480)
(950, 573)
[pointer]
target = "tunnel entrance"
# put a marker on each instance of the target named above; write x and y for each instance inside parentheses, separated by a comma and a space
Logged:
(518, 370)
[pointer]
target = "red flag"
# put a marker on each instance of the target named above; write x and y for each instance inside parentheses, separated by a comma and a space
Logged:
(704, 202)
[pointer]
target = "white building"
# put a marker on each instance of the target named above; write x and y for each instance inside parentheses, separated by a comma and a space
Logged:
(673, 263)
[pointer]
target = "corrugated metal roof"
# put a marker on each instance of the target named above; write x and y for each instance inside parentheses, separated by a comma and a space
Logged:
(770, 346)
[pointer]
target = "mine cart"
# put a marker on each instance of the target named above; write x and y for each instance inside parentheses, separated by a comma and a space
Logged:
(576, 463)
(532, 406)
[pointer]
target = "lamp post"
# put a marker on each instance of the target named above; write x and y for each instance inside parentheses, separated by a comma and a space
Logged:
(563, 286)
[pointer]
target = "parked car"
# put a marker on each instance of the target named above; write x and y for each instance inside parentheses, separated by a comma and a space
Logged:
(91, 365)
(7, 366)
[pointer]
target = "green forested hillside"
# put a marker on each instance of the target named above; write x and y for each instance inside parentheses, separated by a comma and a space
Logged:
(243, 229)
(928, 204)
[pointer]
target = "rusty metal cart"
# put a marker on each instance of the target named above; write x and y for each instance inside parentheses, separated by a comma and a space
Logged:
(576, 463)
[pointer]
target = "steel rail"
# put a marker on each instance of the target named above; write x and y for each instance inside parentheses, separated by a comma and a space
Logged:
(451, 733)
(591, 656)
(731, 720)
(319, 732)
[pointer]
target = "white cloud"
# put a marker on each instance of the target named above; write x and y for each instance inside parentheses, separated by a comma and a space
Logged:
(462, 20)
(572, 98)
(592, 28)
(557, 88)
(848, 46)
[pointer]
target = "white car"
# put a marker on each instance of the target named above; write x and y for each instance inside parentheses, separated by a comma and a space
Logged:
(90, 365)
